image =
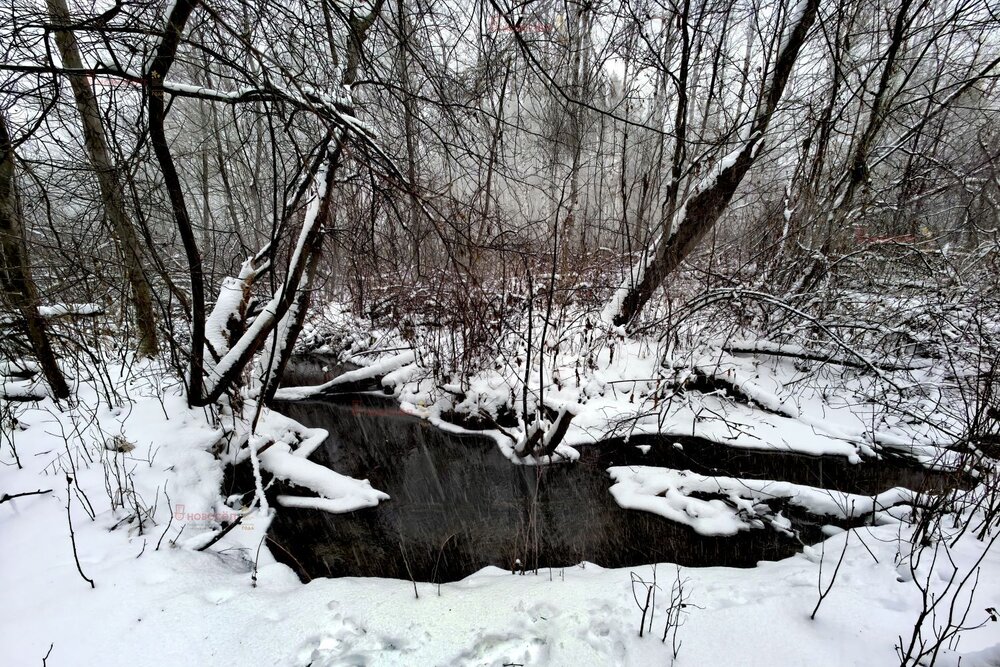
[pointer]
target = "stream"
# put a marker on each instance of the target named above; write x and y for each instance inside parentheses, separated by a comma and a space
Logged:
(457, 504)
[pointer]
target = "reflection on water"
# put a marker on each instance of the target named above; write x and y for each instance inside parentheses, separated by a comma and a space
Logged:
(312, 369)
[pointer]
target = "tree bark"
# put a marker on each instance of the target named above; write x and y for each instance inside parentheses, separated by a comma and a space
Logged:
(15, 270)
(108, 179)
(403, 66)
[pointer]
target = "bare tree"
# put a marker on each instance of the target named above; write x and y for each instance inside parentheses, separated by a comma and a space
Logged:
(709, 198)
(19, 288)
(109, 178)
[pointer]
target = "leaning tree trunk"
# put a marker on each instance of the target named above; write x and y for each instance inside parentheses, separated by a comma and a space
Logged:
(108, 179)
(16, 282)
(710, 197)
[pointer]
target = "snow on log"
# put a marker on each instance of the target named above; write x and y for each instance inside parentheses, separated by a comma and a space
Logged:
(19, 367)
(739, 504)
(67, 309)
(22, 391)
(338, 493)
(379, 369)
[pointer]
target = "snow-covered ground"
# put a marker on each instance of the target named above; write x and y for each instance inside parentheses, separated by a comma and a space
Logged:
(141, 476)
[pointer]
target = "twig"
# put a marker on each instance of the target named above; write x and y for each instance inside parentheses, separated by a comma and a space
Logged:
(169, 522)
(408, 570)
(288, 553)
(72, 535)
(438, 561)
(11, 496)
(256, 561)
(836, 570)
(222, 533)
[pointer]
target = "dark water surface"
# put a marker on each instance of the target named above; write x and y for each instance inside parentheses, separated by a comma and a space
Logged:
(457, 505)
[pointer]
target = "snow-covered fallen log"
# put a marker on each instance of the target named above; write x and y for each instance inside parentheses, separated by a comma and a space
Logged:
(721, 506)
(337, 493)
(348, 381)
(282, 447)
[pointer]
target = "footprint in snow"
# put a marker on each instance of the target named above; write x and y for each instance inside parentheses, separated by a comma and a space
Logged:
(327, 650)
(603, 631)
(542, 612)
(346, 644)
(273, 616)
(504, 649)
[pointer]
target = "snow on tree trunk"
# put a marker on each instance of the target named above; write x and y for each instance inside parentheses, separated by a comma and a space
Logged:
(220, 376)
(710, 196)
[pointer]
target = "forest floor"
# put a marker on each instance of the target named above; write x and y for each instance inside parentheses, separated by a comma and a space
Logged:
(130, 483)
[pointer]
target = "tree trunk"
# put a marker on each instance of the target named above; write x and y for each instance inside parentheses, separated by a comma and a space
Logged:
(288, 330)
(108, 178)
(414, 213)
(15, 271)
(709, 199)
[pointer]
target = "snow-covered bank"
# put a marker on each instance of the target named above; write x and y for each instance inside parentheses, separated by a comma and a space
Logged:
(617, 386)
(175, 606)
(158, 601)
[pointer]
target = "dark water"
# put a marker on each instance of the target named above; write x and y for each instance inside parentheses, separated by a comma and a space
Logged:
(457, 505)
(312, 369)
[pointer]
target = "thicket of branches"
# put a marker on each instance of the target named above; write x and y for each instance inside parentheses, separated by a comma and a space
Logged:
(205, 170)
